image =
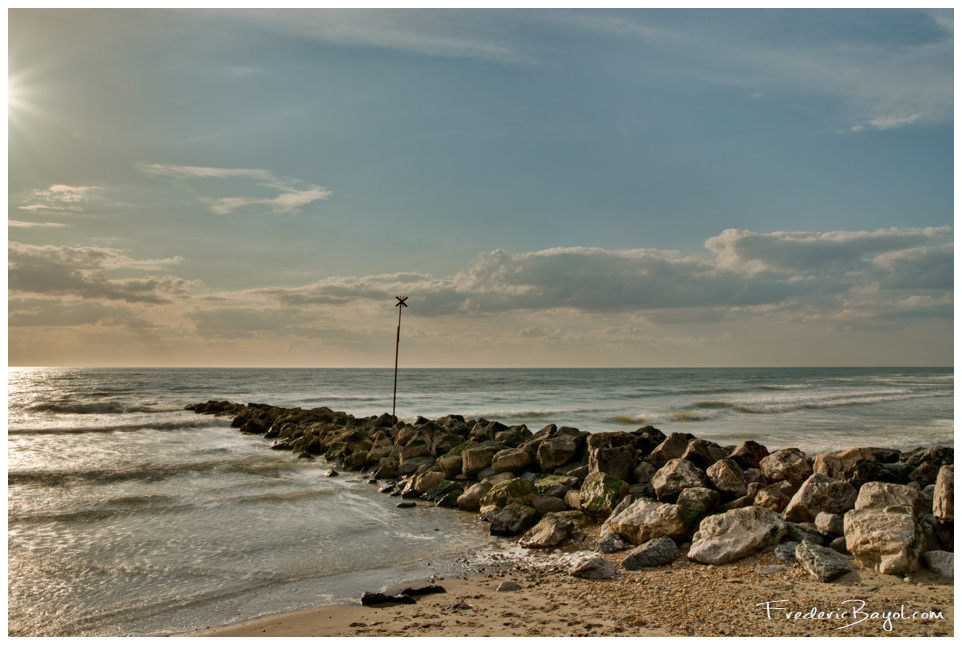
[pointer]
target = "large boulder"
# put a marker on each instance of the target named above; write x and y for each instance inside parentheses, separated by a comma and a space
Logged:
(776, 497)
(556, 485)
(556, 452)
(889, 539)
(646, 520)
(675, 476)
(593, 568)
(941, 562)
(789, 464)
(673, 447)
(728, 478)
(699, 454)
(943, 502)
(748, 454)
(822, 563)
(736, 534)
(513, 519)
(879, 495)
(820, 494)
(600, 493)
(474, 460)
(938, 455)
(513, 491)
(470, 500)
(513, 460)
(654, 553)
(703, 500)
(841, 464)
(552, 530)
(612, 453)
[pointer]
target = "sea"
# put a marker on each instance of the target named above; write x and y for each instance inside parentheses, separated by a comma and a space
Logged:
(128, 515)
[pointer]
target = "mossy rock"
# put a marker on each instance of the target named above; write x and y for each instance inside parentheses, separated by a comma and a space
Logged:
(516, 490)
(578, 518)
(601, 492)
(456, 452)
(690, 517)
(336, 451)
(551, 481)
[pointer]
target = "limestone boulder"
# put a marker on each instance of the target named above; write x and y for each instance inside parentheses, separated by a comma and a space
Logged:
(830, 524)
(703, 500)
(820, 494)
(675, 476)
(673, 447)
(736, 534)
(941, 562)
(593, 568)
(728, 478)
(822, 563)
(470, 500)
(474, 460)
(612, 453)
(776, 497)
(513, 460)
(748, 454)
(513, 519)
(654, 553)
(789, 464)
(600, 493)
(556, 452)
(514, 491)
(556, 485)
(943, 502)
(841, 464)
(698, 453)
(646, 520)
(890, 539)
(550, 531)
(879, 495)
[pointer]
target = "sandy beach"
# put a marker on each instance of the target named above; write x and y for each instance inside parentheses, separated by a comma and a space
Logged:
(757, 596)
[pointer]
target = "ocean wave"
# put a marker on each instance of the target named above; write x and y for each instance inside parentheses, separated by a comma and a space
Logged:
(817, 402)
(710, 390)
(128, 427)
(149, 472)
(100, 407)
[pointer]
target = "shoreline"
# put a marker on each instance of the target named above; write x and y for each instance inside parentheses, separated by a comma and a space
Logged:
(649, 602)
(723, 540)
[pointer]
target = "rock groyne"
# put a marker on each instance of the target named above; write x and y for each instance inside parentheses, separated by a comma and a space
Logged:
(861, 506)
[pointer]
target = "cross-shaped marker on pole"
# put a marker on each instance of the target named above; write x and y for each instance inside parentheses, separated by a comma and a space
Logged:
(401, 304)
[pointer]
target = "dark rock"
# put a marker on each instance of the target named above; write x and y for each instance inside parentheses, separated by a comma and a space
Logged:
(556, 452)
(423, 591)
(612, 543)
(885, 455)
(369, 598)
(776, 497)
(802, 532)
(786, 552)
(654, 553)
(926, 473)
(900, 471)
(513, 519)
(703, 500)
(838, 545)
(612, 453)
(406, 505)
(673, 447)
(870, 470)
(748, 454)
(698, 454)
(548, 504)
(821, 563)
(936, 455)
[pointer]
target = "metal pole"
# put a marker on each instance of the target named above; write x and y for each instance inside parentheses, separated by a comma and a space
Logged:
(397, 348)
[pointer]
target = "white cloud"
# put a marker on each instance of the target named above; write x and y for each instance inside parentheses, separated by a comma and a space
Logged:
(59, 198)
(291, 195)
(78, 272)
(18, 224)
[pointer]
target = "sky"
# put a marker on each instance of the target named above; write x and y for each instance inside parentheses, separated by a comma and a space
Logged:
(548, 188)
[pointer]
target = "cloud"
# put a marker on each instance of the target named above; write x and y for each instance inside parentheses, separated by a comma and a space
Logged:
(78, 272)
(291, 194)
(59, 198)
(744, 274)
(17, 224)
(448, 34)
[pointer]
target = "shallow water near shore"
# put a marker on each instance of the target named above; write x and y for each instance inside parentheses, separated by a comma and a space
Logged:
(128, 515)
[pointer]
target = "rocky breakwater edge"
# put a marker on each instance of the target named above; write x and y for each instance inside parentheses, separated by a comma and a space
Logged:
(643, 499)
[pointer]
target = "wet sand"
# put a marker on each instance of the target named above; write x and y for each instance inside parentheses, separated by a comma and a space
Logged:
(757, 596)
